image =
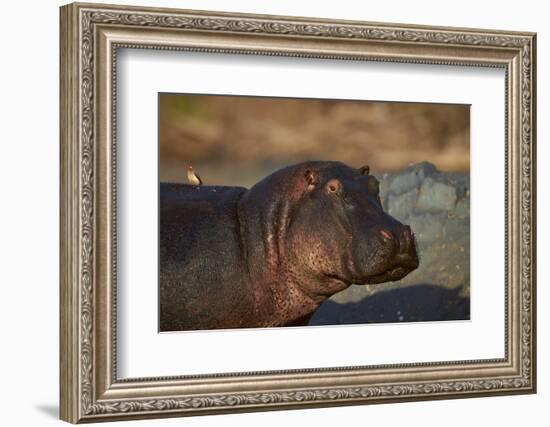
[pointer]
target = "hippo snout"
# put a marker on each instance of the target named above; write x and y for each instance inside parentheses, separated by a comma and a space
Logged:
(404, 245)
(401, 244)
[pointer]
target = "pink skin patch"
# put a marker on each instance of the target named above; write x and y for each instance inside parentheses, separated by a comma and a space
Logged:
(386, 235)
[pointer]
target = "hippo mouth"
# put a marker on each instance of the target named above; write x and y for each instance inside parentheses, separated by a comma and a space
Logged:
(391, 275)
(394, 272)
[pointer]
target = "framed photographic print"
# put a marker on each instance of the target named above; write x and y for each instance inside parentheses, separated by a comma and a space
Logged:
(265, 212)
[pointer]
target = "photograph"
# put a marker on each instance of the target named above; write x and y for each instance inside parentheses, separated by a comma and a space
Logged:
(278, 212)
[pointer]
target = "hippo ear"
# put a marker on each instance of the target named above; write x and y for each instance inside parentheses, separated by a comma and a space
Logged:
(312, 178)
(364, 170)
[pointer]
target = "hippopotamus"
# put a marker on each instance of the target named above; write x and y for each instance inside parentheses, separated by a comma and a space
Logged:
(268, 256)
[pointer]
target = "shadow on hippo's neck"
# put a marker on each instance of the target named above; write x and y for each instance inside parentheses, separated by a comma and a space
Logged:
(263, 230)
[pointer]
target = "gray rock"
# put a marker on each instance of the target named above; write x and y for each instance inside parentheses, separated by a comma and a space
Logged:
(436, 196)
(404, 182)
(427, 226)
(400, 206)
(462, 208)
(456, 228)
(410, 178)
(423, 169)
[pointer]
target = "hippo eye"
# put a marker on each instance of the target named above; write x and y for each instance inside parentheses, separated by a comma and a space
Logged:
(334, 186)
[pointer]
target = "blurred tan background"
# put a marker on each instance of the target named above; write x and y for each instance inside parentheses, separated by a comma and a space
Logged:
(236, 140)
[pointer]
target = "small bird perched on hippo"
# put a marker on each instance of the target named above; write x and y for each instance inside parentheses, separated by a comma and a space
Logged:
(269, 256)
(193, 177)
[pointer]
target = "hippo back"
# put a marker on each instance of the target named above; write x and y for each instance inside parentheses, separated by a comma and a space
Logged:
(199, 226)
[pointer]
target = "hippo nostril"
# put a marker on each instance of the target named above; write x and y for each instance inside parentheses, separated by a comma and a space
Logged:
(406, 239)
(386, 235)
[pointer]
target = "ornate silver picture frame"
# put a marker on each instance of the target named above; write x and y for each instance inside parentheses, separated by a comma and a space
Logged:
(91, 35)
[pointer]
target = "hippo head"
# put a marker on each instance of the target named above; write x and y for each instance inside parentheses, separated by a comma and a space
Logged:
(324, 222)
(339, 230)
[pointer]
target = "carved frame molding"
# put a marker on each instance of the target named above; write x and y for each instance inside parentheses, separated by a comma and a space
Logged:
(90, 37)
